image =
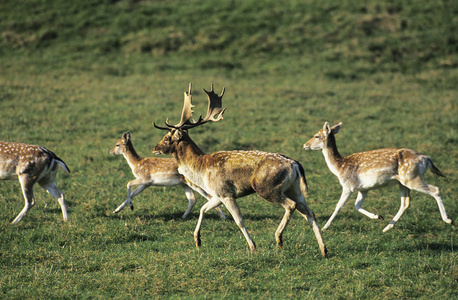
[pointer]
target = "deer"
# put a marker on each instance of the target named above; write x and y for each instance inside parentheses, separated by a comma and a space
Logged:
(228, 175)
(32, 164)
(365, 171)
(154, 171)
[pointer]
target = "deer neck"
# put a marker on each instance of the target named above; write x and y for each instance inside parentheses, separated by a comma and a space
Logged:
(188, 155)
(131, 155)
(331, 155)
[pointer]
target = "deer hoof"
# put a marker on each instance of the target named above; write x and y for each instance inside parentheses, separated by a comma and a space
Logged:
(324, 253)
(380, 217)
(197, 240)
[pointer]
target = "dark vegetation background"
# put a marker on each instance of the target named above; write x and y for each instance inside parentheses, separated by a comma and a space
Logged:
(74, 75)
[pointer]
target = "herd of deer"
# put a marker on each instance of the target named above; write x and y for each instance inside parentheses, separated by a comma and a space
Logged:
(224, 176)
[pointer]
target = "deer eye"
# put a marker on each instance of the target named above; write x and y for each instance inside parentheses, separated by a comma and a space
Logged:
(317, 136)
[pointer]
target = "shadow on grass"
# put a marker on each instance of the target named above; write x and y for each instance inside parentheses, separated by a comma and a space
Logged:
(162, 216)
(422, 245)
(178, 216)
(135, 238)
(55, 210)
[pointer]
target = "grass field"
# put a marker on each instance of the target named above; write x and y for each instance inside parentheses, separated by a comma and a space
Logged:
(75, 76)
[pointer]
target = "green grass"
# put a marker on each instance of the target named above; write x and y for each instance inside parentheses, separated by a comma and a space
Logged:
(74, 77)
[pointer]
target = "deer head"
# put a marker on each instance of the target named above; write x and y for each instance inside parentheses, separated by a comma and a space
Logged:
(121, 144)
(179, 131)
(319, 140)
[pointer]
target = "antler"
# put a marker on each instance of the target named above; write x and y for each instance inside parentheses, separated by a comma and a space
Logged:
(215, 104)
(186, 114)
(214, 112)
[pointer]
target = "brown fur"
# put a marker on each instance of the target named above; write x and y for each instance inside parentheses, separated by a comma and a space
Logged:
(364, 171)
(228, 175)
(32, 164)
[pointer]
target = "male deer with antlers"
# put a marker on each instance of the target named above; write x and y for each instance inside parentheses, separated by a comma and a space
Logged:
(228, 175)
(31, 164)
(369, 170)
(152, 171)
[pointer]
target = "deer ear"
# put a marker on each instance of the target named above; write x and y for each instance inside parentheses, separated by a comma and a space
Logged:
(177, 135)
(336, 128)
(326, 128)
(126, 136)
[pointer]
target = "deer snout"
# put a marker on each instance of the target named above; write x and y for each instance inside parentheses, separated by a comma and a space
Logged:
(307, 146)
(312, 146)
(161, 149)
(156, 150)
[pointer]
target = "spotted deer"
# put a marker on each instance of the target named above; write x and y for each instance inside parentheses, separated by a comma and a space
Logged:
(228, 175)
(365, 171)
(152, 171)
(31, 164)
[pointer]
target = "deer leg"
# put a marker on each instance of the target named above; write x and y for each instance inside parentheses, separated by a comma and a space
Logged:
(120, 207)
(141, 187)
(343, 199)
(52, 189)
(137, 191)
(234, 209)
(220, 212)
(130, 196)
(191, 199)
(289, 207)
(434, 191)
(206, 196)
(27, 191)
(405, 203)
(212, 203)
(359, 202)
(308, 214)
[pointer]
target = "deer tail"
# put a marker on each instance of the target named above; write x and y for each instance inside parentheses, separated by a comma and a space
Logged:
(53, 157)
(63, 165)
(303, 182)
(434, 169)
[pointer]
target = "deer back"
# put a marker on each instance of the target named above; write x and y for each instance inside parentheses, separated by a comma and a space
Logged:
(158, 169)
(19, 158)
(234, 172)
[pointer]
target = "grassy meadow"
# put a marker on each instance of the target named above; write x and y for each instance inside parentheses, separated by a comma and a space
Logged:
(75, 75)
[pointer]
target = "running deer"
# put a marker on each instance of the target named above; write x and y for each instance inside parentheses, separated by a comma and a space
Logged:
(365, 171)
(228, 175)
(31, 164)
(151, 171)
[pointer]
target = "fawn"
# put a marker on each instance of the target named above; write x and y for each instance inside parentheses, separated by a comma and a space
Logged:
(369, 170)
(31, 164)
(152, 171)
